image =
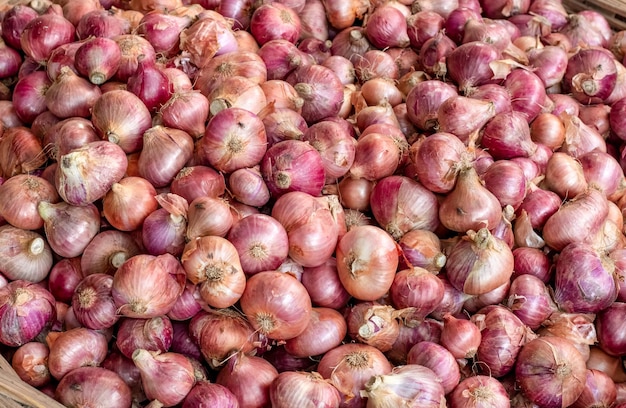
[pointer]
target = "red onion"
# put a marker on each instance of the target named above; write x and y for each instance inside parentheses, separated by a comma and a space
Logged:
(377, 155)
(14, 21)
(69, 228)
(439, 360)
(29, 95)
(462, 115)
(366, 262)
(26, 255)
(321, 90)
(71, 95)
(585, 281)
(609, 329)
(349, 366)
(157, 369)
(272, 21)
(192, 182)
(132, 46)
(479, 391)
(469, 205)
(26, 309)
(281, 57)
(93, 385)
(268, 315)
(233, 139)
(208, 216)
(261, 242)
(587, 82)
(20, 196)
(238, 63)
(93, 304)
(411, 385)
(107, 251)
(503, 335)
(30, 363)
(528, 94)
(551, 372)
(205, 394)
(530, 300)
(44, 33)
(460, 336)
(218, 332)
(311, 227)
(101, 24)
(325, 331)
(477, 72)
(423, 101)
(323, 285)
(387, 27)
(293, 165)
(140, 297)
(212, 262)
(153, 334)
(64, 276)
(576, 220)
(249, 378)
(294, 388)
(74, 348)
(564, 176)
(412, 206)
(507, 136)
(162, 142)
(423, 25)
(247, 186)
(209, 36)
(474, 277)
(121, 117)
(163, 31)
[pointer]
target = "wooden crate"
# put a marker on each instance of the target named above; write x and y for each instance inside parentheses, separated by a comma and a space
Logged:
(613, 10)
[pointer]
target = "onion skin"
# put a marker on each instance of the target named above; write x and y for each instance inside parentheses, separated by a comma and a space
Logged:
(366, 262)
(292, 388)
(93, 385)
(18, 327)
(551, 372)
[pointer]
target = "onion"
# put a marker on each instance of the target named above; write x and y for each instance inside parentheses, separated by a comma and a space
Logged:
(44, 33)
(366, 262)
(249, 378)
(479, 391)
(74, 348)
(26, 255)
(439, 360)
(272, 21)
(160, 141)
(269, 314)
(93, 385)
(205, 394)
(140, 297)
(26, 309)
(551, 372)
(411, 384)
(349, 366)
(157, 368)
(212, 263)
(325, 331)
(30, 363)
(418, 289)
(323, 285)
(153, 334)
(218, 332)
(530, 300)
(107, 251)
(609, 325)
(234, 138)
(208, 216)
(293, 388)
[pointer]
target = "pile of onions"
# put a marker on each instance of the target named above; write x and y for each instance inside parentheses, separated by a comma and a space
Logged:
(361, 203)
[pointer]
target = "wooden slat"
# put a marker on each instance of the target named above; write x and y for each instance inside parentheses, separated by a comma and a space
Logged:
(613, 10)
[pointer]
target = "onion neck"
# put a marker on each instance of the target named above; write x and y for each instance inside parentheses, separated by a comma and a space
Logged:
(21, 296)
(118, 258)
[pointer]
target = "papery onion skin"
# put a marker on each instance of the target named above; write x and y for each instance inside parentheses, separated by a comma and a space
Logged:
(400, 204)
(93, 385)
(439, 359)
(85, 174)
(74, 348)
(367, 260)
(294, 388)
(585, 281)
(26, 255)
(349, 366)
(19, 327)
(283, 315)
(551, 372)
(479, 391)
(206, 395)
(467, 268)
